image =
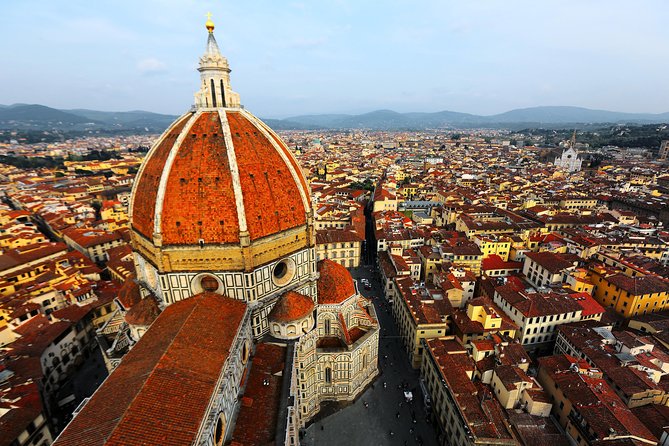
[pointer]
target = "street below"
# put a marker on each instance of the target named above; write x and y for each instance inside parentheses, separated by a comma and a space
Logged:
(381, 415)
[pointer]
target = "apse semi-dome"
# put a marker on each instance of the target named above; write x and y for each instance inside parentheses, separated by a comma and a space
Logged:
(219, 179)
(335, 284)
(292, 316)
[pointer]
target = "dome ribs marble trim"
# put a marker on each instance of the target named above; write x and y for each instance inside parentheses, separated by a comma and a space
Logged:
(148, 180)
(274, 203)
(199, 201)
(219, 176)
(288, 158)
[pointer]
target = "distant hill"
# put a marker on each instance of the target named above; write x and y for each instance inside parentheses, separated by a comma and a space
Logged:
(127, 119)
(536, 116)
(284, 124)
(39, 117)
(558, 115)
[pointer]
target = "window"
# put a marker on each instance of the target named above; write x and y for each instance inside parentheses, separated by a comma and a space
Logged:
(283, 272)
(209, 283)
(328, 375)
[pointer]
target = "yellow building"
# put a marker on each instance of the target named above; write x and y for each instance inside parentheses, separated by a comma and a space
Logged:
(482, 317)
(580, 281)
(490, 244)
(418, 316)
(631, 296)
(582, 399)
(113, 210)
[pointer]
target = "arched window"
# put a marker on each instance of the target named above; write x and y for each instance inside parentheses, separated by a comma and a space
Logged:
(328, 375)
(223, 95)
(213, 93)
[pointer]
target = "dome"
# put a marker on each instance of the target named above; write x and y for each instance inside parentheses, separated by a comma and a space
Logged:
(215, 176)
(291, 306)
(335, 284)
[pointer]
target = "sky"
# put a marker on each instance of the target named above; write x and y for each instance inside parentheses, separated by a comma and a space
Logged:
(291, 58)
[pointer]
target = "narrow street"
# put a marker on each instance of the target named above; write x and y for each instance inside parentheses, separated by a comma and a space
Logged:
(388, 419)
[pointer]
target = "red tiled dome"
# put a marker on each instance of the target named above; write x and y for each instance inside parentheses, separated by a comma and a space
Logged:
(335, 284)
(214, 172)
(292, 306)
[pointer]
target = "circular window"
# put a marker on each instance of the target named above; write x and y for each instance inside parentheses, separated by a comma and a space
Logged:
(209, 283)
(283, 272)
(280, 270)
(206, 283)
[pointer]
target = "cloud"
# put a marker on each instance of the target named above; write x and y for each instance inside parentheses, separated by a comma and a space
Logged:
(151, 66)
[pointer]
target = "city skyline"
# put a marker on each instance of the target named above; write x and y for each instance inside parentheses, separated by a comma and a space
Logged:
(340, 57)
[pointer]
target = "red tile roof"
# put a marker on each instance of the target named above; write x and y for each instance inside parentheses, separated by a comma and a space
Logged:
(160, 392)
(144, 312)
(291, 306)
(588, 303)
(493, 262)
(129, 294)
(335, 284)
(199, 202)
(147, 182)
(272, 198)
(257, 418)
(552, 262)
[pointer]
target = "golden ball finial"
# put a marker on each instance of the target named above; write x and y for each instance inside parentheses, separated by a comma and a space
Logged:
(209, 24)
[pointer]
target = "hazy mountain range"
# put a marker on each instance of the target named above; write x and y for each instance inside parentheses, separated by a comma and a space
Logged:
(40, 117)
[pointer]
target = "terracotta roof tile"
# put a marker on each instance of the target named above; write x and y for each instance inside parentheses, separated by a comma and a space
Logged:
(199, 198)
(161, 390)
(199, 202)
(144, 312)
(146, 187)
(257, 418)
(265, 180)
(335, 284)
(291, 306)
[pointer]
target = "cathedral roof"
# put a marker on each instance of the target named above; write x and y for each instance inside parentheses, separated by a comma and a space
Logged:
(161, 391)
(129, 293)
(291, 306)
(215, 175)
(144, 312)
(335, 284)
